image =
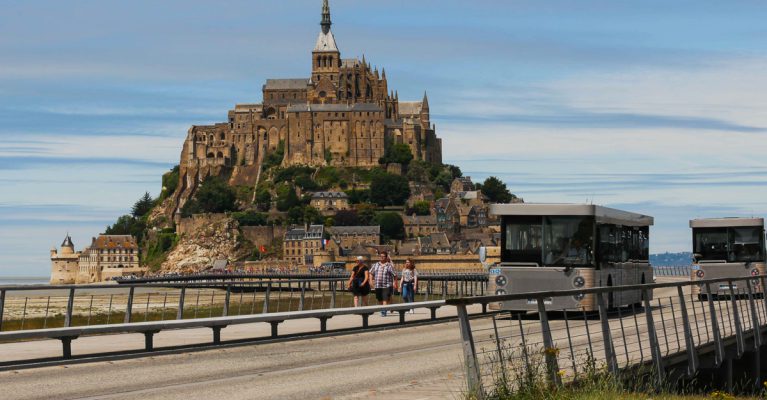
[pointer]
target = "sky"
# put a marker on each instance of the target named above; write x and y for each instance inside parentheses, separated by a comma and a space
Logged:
(651, 106)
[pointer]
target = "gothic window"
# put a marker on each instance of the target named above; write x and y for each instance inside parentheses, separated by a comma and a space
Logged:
(222, 136)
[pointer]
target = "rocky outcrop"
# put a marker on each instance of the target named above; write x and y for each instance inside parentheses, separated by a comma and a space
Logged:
(217, 239)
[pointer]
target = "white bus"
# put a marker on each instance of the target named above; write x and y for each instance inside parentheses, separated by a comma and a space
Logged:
(568, 246)
(726, 247)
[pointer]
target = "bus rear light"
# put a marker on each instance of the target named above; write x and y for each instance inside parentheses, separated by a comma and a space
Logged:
(700, 273)
(500, 281)
(754, 272)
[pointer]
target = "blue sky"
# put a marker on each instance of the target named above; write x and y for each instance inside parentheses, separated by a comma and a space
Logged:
(654, 106)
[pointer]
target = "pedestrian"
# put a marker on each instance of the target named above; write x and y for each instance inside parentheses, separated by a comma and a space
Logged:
(359, 283)
(409, 282)
(385, 279)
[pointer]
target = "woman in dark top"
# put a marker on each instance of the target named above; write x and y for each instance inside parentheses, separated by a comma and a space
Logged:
(359, 283)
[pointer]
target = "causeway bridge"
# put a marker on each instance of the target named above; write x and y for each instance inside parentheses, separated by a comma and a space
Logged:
(448, 346)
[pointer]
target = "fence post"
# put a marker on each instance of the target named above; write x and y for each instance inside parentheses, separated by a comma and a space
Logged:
(180, 313)
(266, 298)
(692, 355)
(303, 296)
(473, 376)
(736, 316)
(548, 343)
(653, 336)
(129, 306)
(70, 307)
(333, 294)
(612, 362)
(2, 307)
(228, 297)
(719, 347)
(755, 324)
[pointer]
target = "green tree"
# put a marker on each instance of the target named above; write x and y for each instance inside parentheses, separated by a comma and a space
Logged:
(346, 218)
(250, 218)
(287, 198)
(455, 171)
(443, 180)
(496, 191)
(296, 215)
(128, 225)
(274, 158)
(169, 182)
(143, 206)
(365, 212)
(421, 208)
(392, 227)
(397, 153)
(418, 171)
(389, 190)
(215, 196)
(313, 216)
(263, 199)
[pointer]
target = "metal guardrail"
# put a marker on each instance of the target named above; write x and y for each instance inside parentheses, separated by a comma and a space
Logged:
(42, 306)
(426, 275)
(67, 334)
(508, 347)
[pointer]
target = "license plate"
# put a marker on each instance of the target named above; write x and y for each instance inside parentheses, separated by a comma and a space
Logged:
(547, 301)
(495, 271)
(727, 287)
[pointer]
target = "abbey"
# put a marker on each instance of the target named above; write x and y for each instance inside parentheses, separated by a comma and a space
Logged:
(344, 114)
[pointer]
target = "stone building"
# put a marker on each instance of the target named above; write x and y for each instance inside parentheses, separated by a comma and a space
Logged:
(419, 225)
(347, 238)
(108, 257)
(301, 244)
(330, 202)
(64, 263)
(343, 114)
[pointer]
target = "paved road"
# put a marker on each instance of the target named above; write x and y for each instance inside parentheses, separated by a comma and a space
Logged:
(408, 363)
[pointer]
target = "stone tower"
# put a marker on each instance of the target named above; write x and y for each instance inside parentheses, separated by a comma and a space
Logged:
(326, 60)
(64, 264)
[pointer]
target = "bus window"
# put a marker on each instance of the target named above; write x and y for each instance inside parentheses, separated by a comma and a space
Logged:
(746, 244)
(568, 241)
(610, 243)
(523, 238)
(711, 243)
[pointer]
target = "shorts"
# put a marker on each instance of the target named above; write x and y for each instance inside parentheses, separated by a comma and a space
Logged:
(383, 294)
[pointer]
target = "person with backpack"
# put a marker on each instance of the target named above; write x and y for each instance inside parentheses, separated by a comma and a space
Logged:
(359, 283)
(385, 279)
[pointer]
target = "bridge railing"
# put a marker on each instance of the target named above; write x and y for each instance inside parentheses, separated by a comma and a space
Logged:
(641, 325)
(42, 307)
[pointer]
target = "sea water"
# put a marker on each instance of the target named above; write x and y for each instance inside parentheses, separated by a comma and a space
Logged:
(23, 280)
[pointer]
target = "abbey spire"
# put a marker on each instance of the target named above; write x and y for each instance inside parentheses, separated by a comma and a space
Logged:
(326, 23)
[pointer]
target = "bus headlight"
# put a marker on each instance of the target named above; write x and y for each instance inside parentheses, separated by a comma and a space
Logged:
(700, 274)
(578, 297)
(500, 280)
(500, 292)
(754, 272)
(579, 282)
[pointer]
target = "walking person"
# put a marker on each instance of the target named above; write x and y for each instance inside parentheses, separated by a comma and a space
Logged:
(359, 283)
(385, 279)
(409, 282)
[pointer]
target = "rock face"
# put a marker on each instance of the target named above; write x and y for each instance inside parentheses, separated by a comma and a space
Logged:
(219, 238)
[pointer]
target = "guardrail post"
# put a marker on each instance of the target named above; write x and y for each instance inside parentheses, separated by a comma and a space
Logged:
(657, 357)
(66, 346)
(473, 376)
(217, 333)
(2, 307)
(180, 313)
(323, 323)
(227, 299)
(129, 306)
(692, 355)
(550, 351)
(266, 297)
(70, 307)
(333, 294)
(736, 316)
(719, 346)
(302, 297)
(612, 362)
(149, 340)
(275, 324)
(756, 325)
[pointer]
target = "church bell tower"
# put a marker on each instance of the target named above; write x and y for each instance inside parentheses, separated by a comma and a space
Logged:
(326, 60)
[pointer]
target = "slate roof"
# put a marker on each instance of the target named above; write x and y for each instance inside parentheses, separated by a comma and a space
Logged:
(410, 107)
(287, 84)
(329, 195)
(355, 230)
(334, 107)
(326, 42)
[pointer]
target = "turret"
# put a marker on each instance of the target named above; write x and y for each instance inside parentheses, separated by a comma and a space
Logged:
(67, 247)
(326, 58)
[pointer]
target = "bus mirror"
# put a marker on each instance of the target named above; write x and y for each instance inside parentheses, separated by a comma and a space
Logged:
(482, 254)
(696, 257)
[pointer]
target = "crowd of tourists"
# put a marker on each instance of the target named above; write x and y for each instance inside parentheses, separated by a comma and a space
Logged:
(382, 280)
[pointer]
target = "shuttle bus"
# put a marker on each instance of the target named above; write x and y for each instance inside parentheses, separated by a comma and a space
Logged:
(726, 247)
(569, 246)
